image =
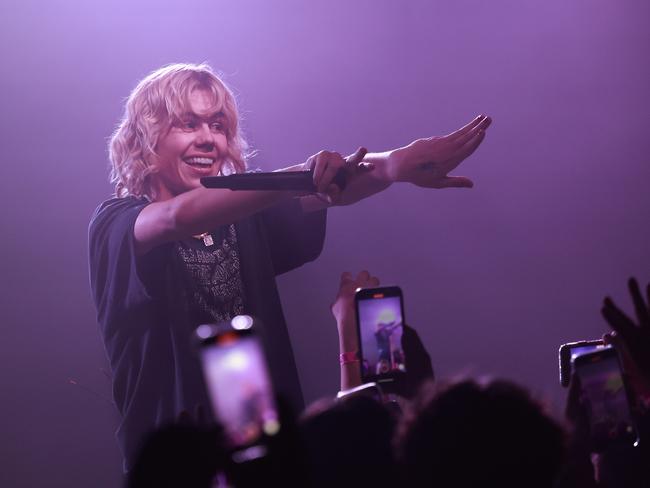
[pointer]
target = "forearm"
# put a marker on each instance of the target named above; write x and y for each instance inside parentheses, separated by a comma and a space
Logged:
(350, 376)
(348, 343)
(202, 210)
(197, 211)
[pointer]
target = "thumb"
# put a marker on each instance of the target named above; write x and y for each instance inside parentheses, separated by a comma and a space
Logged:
(354, 159)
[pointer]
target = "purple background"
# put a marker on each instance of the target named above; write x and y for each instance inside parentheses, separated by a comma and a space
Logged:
(494, 278)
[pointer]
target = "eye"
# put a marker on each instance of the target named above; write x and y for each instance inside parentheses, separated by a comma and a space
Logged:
(217, 126)
(185, 125)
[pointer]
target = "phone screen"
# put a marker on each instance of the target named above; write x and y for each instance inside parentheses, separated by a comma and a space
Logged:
(580, 350)
(240, 388)
(605, 398)
(570, 351)
(380, 317)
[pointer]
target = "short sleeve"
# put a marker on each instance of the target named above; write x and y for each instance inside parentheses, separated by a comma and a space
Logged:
(119, 280)
(295, 237)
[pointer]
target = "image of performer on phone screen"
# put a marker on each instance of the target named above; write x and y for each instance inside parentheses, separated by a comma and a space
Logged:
(385, 348)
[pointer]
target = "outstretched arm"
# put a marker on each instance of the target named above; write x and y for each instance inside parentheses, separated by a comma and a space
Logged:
(424, 162)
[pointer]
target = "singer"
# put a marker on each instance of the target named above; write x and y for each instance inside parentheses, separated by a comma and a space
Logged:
(167, 254)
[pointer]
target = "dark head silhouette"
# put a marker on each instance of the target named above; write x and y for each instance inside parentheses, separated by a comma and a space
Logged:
(467, 434)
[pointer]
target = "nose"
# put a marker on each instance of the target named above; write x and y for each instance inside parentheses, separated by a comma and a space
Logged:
(204, 137)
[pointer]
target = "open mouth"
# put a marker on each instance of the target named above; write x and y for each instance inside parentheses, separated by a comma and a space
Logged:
(197, 162)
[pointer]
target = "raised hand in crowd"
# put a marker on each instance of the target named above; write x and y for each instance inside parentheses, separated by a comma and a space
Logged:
(416, 358)
(344, 313)
(614, 465)
(632, 339)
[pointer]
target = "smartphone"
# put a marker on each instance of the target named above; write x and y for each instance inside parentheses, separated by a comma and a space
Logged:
(380, 315)
(570, 351)
(606, 398)
(239, 386)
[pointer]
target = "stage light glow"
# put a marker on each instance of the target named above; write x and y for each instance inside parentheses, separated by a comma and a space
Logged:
(241, 322)
(204, 331)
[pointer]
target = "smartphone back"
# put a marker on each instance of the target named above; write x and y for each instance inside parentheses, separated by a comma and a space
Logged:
(606, 399)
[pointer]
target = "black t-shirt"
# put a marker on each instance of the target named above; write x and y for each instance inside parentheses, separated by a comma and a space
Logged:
(148, 306)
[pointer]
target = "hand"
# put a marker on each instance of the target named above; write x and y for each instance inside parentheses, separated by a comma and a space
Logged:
(417, 361)
(428, 162)
(327, 164)
(343, 307)
(632, 338)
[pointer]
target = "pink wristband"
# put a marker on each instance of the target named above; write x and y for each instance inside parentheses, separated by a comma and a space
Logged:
(348, 357)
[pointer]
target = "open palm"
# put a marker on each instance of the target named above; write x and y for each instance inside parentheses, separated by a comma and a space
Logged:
(427, 162)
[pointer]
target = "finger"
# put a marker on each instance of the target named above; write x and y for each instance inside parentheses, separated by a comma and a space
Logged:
(362, 277)
(456, 182)
(464, 151)
(609, 338)
(332, 190)
(355, 159)
(465, 129)
(618, 321)
(319, 165)
(373, 282)
(481, 126)
(641, 309)
(325, 198)
(346, 281)
(334, 163)
(614, 339)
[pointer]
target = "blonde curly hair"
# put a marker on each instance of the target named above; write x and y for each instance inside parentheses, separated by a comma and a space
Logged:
(152, 107)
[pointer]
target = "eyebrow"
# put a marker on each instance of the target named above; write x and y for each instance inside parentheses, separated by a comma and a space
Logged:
(215, 116)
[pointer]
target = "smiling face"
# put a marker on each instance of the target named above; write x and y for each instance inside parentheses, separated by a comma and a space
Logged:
(195, 145)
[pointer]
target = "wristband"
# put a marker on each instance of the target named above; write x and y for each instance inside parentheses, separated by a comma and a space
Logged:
(349, 357)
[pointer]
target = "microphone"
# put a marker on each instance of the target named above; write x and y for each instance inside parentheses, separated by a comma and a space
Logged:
(279, 181)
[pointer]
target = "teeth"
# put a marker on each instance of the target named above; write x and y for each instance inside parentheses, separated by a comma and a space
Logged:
(205, 161)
